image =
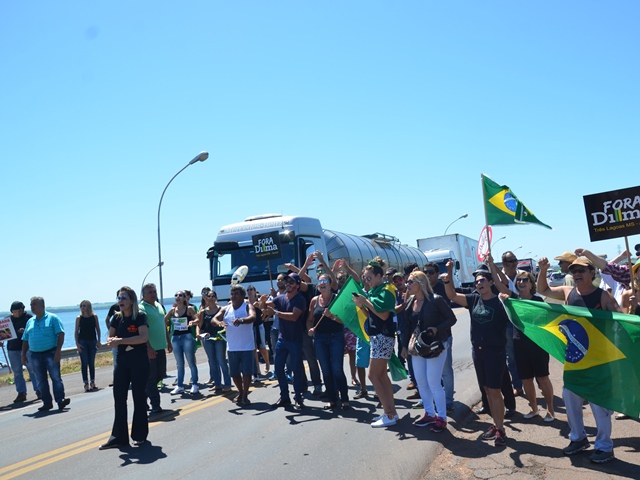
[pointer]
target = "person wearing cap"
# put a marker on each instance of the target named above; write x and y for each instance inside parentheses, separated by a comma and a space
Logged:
(43, 337)
(488, 341)
(290, 308)
(564, 262)
(19, 320)
(584, 294)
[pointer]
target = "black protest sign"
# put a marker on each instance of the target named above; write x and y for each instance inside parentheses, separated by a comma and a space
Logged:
(267, 245)
(613, 214)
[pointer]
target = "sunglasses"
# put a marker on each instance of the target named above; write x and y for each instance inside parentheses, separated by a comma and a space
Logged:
(323, 280)
(368, 278)
(515, 260)
(211, 295)
(179, 295)
(479, 281)
(410, 282)
(290, 282)
(122, 297)
(522, 280)
(577, 270)
(430, 272)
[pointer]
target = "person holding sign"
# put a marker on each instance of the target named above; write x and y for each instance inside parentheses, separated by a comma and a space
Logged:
(19, 320)
(180, 318)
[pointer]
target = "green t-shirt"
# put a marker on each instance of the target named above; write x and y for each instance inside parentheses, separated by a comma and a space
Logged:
(157, 329)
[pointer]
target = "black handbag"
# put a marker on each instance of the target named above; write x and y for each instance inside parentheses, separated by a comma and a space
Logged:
(427, 346)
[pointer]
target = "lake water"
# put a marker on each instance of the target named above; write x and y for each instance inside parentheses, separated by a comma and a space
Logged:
(69, 323)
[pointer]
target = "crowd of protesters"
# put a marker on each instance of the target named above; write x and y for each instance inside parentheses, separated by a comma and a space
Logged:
(293, 323)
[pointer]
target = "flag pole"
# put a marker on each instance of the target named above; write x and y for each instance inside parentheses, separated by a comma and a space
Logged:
(626, 244)
(486, 219)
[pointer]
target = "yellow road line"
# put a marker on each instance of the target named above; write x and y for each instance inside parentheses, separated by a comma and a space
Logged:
(42, 460)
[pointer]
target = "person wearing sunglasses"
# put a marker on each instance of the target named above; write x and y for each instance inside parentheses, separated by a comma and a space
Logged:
(327, 331)
(380, 306)
(532, 360)
(129, 333)
(583, 294)
(508, 277)
(215, 346)
(180, 318)
(488, 340)
(427, 311)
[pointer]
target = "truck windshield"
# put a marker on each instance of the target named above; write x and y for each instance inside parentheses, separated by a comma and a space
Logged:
(227, 261)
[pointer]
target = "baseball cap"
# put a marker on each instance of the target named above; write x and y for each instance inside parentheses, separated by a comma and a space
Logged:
(567, 257)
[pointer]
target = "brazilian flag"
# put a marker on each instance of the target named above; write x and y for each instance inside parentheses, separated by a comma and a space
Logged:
(600, 350)
(502, 207)
(354, 317)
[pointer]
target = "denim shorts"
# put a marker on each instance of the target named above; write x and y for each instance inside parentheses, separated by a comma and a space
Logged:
(241, 363)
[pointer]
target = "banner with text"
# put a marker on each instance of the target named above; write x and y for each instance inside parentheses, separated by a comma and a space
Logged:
(267, 245)
(613, 214)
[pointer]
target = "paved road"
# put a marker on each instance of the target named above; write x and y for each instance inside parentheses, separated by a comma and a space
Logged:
(208, 435)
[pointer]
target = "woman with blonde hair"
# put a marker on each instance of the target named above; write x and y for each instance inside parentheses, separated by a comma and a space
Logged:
(429, 312)
(87, 334)
(379, 304)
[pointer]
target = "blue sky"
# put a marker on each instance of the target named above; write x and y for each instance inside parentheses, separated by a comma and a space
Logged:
(370, 115)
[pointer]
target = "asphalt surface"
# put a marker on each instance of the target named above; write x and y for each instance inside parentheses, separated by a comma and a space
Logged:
(205, 435)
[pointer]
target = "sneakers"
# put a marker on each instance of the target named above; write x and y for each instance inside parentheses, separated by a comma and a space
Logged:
(576, 447)
(501, 439)
(63, 403)
(425, 421)
(490, 434)
(385, 421)
(598, 456)
(532, 414)
(177, 391)
(361, 394)
(440, 425)
(482, 411)
(194, 389)
(272, 376)
(450, 409)
(22, 397)
(298, 405)
(418, 404)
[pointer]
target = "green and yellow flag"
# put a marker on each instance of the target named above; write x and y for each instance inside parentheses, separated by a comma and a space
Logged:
(502, 207)
(600, 350)
(354, 317)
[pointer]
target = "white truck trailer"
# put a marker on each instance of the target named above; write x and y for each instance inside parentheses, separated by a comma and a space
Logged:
(299, 236)
(459, 248)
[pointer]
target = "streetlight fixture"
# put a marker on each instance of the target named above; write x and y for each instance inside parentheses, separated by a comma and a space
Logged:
(494, 243)
(201, 157)
(459, 218)
(517, 248)
(145, 277)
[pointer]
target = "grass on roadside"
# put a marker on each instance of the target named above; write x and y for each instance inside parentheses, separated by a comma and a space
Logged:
(67, 365)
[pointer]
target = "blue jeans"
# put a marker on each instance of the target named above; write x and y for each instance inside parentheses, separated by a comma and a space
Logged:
(42, 362)
(284, 349)
(216, 353)
(330, 353)
(15, 359)
(511, 359)
(447, 373)
(88, 359)
(185, 346)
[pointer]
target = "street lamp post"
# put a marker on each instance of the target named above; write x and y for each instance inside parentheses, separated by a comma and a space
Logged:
(201, 157)
(459, 218)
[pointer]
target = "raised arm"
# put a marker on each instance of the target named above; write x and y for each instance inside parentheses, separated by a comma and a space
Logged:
(542, 285)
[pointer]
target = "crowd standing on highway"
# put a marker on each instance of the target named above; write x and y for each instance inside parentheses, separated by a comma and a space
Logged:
(414, 308)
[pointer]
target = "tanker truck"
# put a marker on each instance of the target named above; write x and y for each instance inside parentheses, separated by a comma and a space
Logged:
(234, 246)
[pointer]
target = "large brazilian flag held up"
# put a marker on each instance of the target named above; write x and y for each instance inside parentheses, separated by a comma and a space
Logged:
(600, 350)
(502, 207)
(354, 317)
